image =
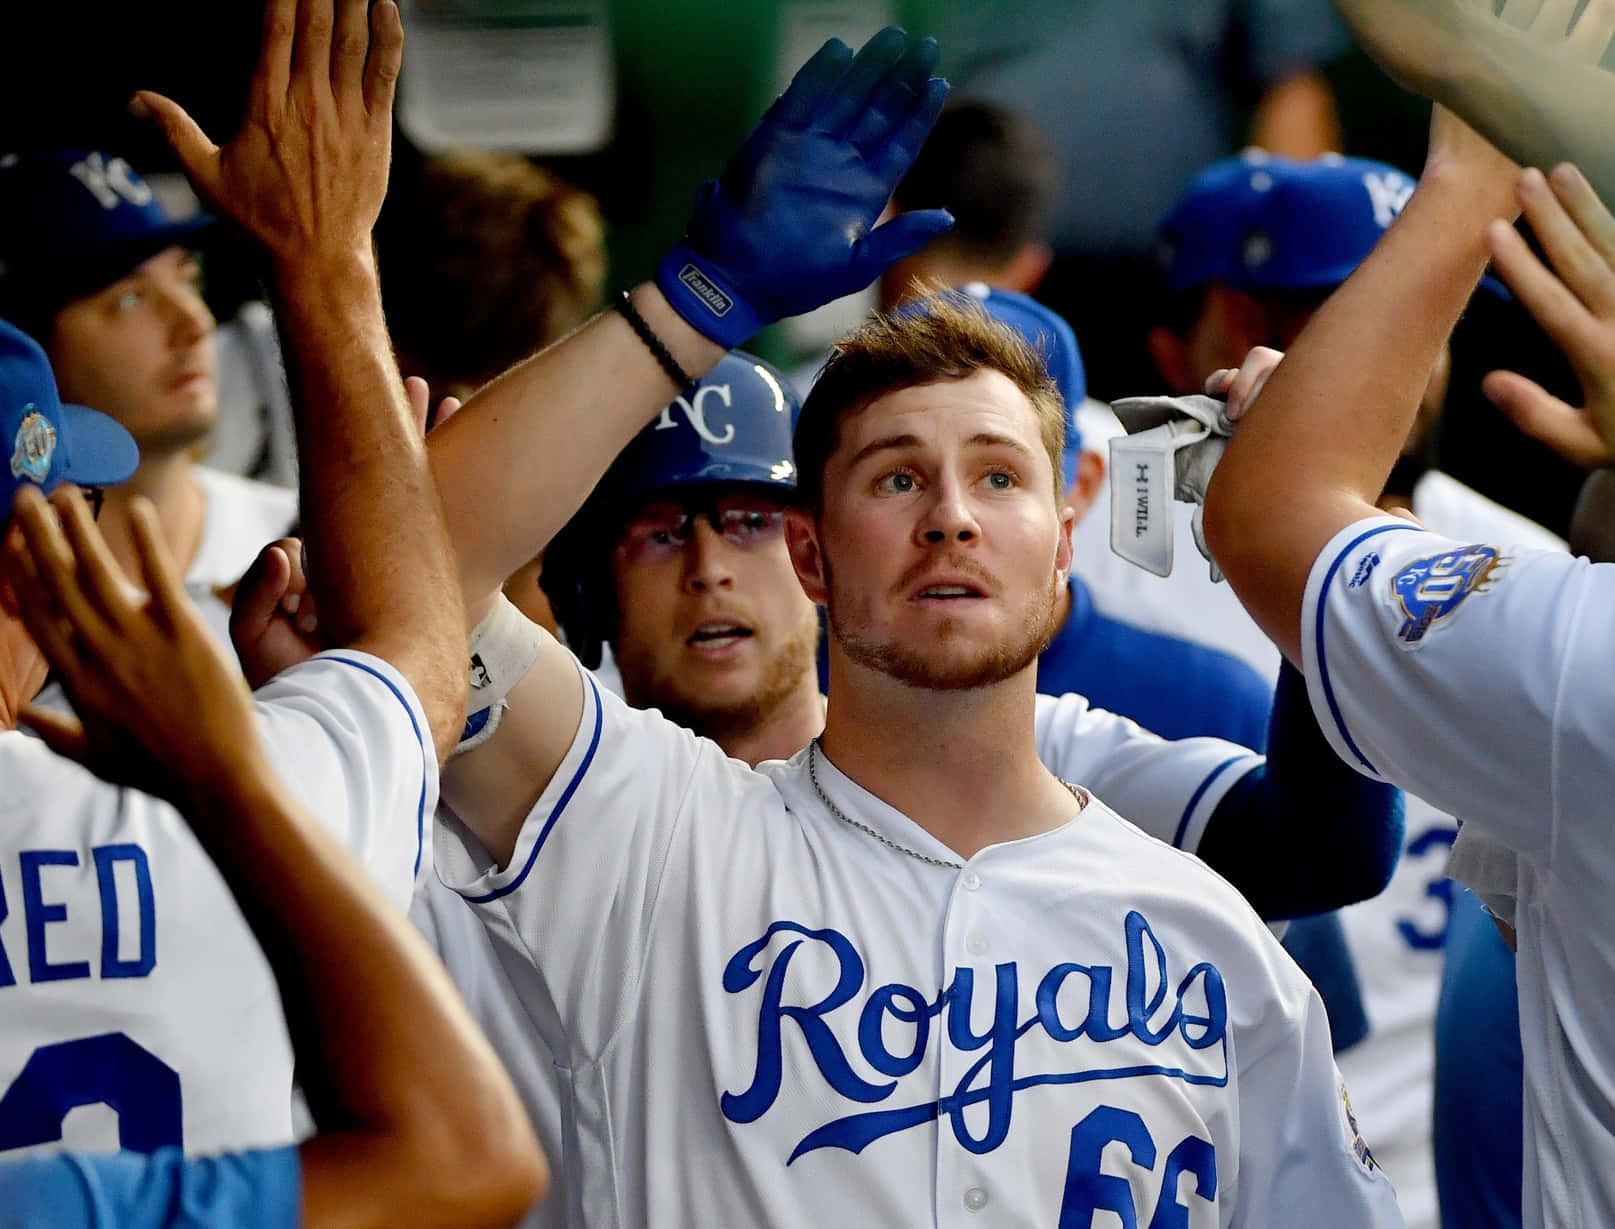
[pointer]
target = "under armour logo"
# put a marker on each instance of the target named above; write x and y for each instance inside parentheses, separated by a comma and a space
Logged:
(111, 181)
(1387, 194)
(695, 410)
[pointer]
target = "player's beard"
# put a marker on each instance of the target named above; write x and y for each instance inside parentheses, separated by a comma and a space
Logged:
(934, 667)
(792, 665)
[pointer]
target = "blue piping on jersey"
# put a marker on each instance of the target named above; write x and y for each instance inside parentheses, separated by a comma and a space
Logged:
(420, 807)
(1194, 799)
(566, 797)
(1317, 639)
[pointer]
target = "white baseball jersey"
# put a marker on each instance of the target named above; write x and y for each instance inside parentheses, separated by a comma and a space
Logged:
(137, 1008)
(1478, 677)
(1398, 939)
(764, 1015)
(1170, 790)
(243, 516)
(1397, 942)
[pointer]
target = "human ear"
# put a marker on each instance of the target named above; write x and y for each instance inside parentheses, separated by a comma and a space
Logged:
(802, 541)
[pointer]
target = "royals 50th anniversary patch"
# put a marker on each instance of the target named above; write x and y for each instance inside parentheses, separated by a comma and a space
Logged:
(1433, 588)
(33, 448)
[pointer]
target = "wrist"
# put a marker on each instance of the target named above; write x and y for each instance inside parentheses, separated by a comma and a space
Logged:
(705, 299)
(694, 352)
(334, 280)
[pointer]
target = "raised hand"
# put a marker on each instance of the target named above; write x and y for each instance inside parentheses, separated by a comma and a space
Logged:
(1528, 79)
(1240, 386)
(1574, 302)
(790, 224)
(308, 170)
(160, 706)
(273, 620)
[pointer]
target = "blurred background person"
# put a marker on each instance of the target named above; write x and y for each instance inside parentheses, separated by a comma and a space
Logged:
(485, 258)
(111, 287)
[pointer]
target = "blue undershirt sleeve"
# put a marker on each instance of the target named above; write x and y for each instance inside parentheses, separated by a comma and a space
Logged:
(1303, 833)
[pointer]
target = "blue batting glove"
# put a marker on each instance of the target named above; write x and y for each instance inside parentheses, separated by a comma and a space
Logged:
(786, 227)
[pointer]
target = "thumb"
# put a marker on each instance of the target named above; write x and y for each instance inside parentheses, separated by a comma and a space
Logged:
(259, 593)
(63, 735)
(198, 155)
(904, 235)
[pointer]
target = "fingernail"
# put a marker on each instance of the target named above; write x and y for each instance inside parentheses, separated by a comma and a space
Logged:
(307, 623)
(138, 108)
(291, 602)
(1531, 180)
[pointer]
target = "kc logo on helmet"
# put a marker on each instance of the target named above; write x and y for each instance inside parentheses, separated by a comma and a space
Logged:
(695, 410)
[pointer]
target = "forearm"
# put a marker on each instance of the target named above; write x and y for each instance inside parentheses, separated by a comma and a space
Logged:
(1311, 455)
(522, 455)
(1304, 833)
(380, 566)
(389, 1052)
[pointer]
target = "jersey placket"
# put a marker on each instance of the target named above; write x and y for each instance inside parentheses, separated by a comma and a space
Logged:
(964, 1191)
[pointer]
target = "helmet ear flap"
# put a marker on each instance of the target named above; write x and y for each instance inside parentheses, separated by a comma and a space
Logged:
(576, 578)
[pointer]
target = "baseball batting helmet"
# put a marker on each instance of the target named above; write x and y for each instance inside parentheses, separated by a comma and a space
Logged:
(733, 430)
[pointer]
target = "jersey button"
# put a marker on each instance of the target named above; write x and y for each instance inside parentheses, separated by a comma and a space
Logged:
(975, 944)
(971, 881)
(975, 1199)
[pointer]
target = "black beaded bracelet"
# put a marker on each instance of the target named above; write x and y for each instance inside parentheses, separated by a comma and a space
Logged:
(653, 343)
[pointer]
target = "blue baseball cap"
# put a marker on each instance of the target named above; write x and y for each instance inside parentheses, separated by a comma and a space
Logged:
(73, 221)
(1050, 335)
(1258, 221)
(48, 443)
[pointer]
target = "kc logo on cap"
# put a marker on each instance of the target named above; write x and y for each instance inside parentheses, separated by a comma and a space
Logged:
(111, 181)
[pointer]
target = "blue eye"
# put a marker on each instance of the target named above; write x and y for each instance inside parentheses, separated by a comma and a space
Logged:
(899, 482)
(1000, 481)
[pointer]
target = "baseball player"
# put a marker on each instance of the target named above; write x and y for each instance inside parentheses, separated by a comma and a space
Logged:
(713, 629)
(392, 1053)
(110, 286)
(1468, 672)
(795, 1004)
(130, 979)
(1250, 249)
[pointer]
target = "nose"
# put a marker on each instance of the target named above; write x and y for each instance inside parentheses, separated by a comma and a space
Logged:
(708, 559)
(948, 516)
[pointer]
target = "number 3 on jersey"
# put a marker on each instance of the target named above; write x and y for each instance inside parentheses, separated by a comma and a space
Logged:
(1087, 1190)
(106, 1070)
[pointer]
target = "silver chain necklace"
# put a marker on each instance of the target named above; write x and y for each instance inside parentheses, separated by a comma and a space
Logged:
(813, 776)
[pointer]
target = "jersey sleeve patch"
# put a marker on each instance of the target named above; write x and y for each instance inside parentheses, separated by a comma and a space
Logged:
(1359, 1146)
(1428, 590)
